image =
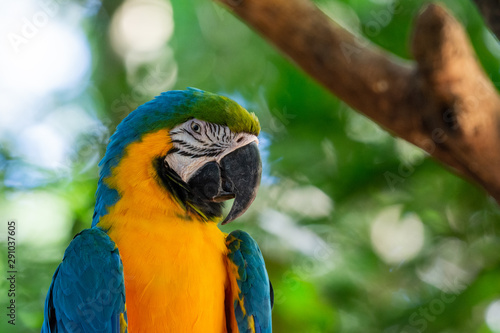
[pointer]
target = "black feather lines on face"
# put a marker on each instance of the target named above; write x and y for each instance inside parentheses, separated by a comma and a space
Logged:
(184, 148)
(207, 143)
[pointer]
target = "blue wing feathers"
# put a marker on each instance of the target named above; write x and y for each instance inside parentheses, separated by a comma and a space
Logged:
(253, 283)
(87, 293)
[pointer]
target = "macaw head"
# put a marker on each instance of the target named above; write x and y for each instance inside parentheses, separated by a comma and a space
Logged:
(192, 147)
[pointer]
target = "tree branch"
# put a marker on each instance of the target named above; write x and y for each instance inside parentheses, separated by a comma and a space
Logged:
(443, 102)
(490, 10)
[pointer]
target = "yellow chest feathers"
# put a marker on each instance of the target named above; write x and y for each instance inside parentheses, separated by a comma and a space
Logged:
(175, 277)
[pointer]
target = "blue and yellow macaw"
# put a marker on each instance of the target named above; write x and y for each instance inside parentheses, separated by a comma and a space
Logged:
(154, 259)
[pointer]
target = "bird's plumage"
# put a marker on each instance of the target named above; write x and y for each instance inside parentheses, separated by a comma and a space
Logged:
(154, 240)
(252, 308)
(87, 293)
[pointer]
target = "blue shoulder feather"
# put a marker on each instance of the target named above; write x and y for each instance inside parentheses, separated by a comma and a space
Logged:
(87, 293)
(253, 282)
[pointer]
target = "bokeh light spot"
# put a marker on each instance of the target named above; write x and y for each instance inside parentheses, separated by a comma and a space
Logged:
(394, 238)
(141, 26)
(37, 213)
(35, 67)
(493, 316)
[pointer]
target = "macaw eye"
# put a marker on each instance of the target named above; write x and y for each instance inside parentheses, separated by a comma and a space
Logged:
(196, 127)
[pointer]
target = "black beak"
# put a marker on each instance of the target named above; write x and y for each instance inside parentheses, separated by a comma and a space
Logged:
(237, 176)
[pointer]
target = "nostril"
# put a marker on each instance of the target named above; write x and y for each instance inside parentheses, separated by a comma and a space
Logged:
(239, 140)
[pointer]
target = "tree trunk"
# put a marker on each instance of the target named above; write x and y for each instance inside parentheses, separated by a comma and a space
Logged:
(443, 102)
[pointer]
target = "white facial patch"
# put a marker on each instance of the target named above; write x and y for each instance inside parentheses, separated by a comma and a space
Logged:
(197, 142)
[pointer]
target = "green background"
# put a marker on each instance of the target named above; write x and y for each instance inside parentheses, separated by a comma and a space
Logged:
(361, 232)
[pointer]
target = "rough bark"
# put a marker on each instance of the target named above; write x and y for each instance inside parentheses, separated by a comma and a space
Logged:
(442, 102)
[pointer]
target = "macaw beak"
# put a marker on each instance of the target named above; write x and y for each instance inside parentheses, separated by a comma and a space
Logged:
(237, 176)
